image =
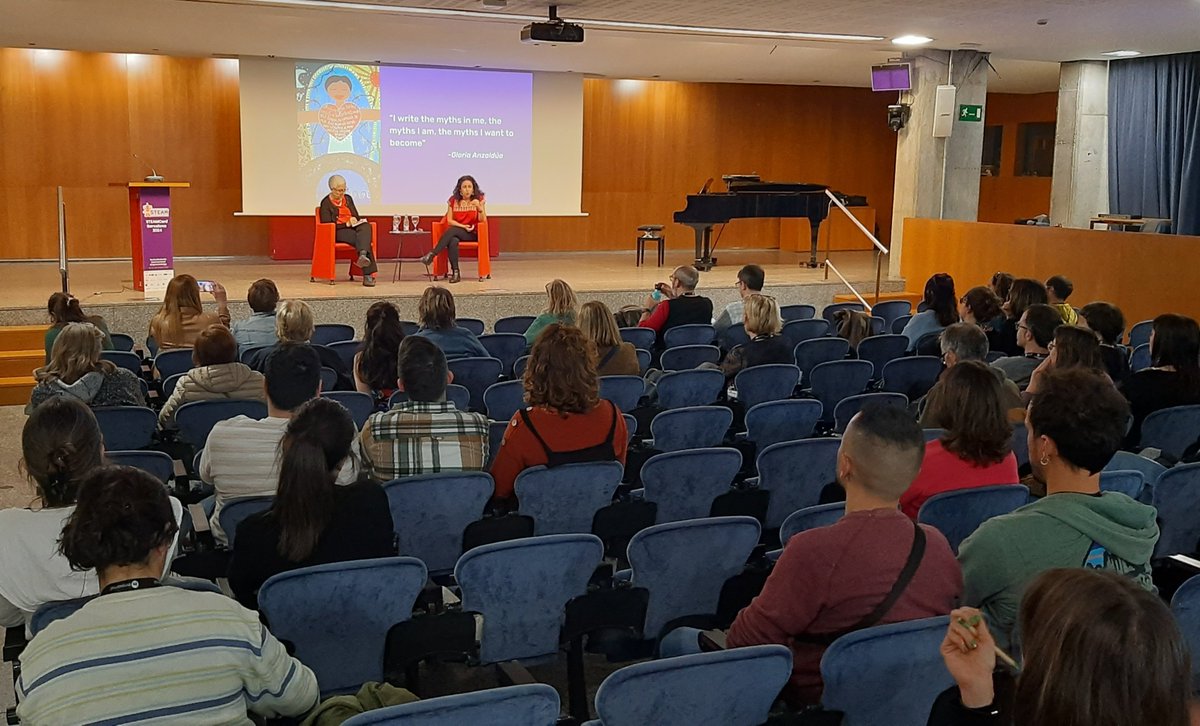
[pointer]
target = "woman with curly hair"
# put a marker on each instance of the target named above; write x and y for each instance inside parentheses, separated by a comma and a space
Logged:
(566, 421)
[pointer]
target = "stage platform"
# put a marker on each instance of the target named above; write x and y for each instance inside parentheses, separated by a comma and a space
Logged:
(517, 284)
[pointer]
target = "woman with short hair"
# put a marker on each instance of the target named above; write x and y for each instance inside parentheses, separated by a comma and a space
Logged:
(976, 448)
(76, 371)
(64, 308)
(376, 359)
(615, 357)
(566, 422)
(438, 320)
(1174, 376)
(181, 317)
(981, 306)
(561, 307)
(216, 374)
(1107, 321)
(763, 326)
(295, 323)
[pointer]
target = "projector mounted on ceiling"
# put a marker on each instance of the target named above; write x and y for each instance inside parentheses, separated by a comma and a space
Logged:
(556, 30)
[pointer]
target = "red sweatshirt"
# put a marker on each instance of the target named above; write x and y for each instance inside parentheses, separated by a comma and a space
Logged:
(830, 578)
(943, 471)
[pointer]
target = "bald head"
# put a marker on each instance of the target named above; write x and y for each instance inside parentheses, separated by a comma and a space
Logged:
(881, 452)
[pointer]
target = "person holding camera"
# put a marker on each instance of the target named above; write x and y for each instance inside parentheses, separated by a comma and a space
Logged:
(676, 304)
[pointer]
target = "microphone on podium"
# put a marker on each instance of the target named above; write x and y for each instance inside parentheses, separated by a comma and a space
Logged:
(154, 176)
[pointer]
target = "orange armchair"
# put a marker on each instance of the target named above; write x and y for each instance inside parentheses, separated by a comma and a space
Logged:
(441, 262)
(327, 251)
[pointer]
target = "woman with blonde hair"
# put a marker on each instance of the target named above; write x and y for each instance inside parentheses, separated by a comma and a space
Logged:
(294, 323)
(438, 319)
(763, 326)
(182, 316)
(561, 308)
(566, 422)
(76, 371)
(615, 357)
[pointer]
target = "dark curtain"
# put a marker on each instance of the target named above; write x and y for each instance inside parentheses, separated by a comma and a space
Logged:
(1154, 139)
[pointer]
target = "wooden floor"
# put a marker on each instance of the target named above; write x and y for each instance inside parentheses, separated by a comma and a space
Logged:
(28, 284)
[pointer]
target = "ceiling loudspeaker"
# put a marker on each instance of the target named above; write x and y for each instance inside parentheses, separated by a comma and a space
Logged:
(943, 112)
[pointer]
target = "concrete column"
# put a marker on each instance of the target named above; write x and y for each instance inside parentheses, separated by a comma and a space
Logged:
(938, 178)
(1079, 189)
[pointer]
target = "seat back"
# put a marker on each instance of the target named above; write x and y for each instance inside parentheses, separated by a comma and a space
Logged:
(797, 331)
(691, 334)
(733, 336)
(521, 588)
(640, 337)
(1020, 444)
(774, 421)
(698, 387)
(932, 434)
(623, 391)
(1185, 606)
(900, 323)
(495, 438)
(849, 406)
(360, 405)
(802, 520)
(1139, 334)
(1129, 461)
(530, 704)
(476, 374)
(889, 310)
(565, 499)
(1176, 496)
(326, 333)
(235, 511)
(505, 347)
(130, 361)
(771, 382)
(733, 687)
(503, 399)
(475, 325)
(1172, 430)
(912, 376)
(250, 353)
(797, 312)
(519, 366)
(900, 665)
(958, 513)
(196, 419)
(170, 362)
(795, 472)
(1140, 358)
(685, 357)
(169, 384)
(156, 463)
(684, 483)
(337, 615)
(882, 349)
(644, 359)
(685, 564)
(1129, 483)
(346, 350)
(694, 427)
(514, 324)
(831, 382)
(431, 511)
(811, 353)
(126, 427)
(329, 378)
(121, 341)
(456, 394)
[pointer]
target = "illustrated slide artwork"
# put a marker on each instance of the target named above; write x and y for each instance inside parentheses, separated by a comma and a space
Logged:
(403, 135)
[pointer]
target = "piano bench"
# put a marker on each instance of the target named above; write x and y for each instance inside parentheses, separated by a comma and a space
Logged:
(650, 228)
(649, 235)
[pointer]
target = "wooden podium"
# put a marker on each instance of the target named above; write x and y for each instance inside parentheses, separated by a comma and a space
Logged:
(150, 234)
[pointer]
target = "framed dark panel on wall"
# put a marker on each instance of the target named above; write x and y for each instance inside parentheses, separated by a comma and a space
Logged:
(1035, 149)
(993, 140)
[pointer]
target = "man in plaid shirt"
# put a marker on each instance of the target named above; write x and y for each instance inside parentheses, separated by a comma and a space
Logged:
(425, 434)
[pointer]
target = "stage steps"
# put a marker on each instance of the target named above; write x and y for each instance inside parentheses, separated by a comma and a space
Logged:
(22, 349)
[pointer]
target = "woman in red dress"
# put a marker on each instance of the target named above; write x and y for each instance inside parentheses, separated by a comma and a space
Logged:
(464, 210)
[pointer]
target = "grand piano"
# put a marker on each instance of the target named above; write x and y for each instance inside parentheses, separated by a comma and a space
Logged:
(747, 196)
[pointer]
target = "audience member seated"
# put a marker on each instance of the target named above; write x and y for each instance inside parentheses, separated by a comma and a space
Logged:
(1073, 347)
(142, 651)
(853, 326)
(1097, 650)
(562, 307)
(1107, 321)
(976, 450)
(1001, 284)
(181, 317)
(942, 310)
(830, 580)
(1035, 332)
(1058, 289)
(375, 361)
(967, 342)
(677, 304)
(616, 357)
(76, 371)
(1074, 425)
(980, 306)
(60, 445)
(259, 329)
(567, 422)
(425, 434)
(1174, 376)
(216, 374)
(750, 280)
(241, 457)
(766, 345)
(312, 520)
(294, 323)
(63, 309)
(1023, 293)
(437, 318)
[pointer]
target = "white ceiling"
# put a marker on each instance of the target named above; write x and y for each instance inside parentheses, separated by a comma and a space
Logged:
(1024, 53)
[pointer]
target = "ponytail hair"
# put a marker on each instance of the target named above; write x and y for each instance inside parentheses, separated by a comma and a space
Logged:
(312, 452)
(64, 308)
(60, 445)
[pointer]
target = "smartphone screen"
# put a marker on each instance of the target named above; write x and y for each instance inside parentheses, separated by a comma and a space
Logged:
(206, 285)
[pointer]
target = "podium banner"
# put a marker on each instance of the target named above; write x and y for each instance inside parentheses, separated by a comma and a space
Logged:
(157, 259)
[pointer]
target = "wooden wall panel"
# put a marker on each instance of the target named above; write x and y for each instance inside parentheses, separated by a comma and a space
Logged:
(1007, 197)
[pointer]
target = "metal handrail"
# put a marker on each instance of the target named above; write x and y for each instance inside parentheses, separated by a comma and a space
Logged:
(861, 299)
(878, 245)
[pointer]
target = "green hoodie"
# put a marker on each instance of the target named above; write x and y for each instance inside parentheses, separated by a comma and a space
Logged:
(1009, 551)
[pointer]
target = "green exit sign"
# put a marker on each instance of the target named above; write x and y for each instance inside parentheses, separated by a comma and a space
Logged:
(970, 113)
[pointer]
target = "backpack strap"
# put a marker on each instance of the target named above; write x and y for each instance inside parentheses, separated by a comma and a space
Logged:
(608, 356)
(612, 427)
(525, 417)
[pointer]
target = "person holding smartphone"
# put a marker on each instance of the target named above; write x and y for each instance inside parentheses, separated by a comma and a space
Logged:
(337, 208)
(465, 209)
(181, 318)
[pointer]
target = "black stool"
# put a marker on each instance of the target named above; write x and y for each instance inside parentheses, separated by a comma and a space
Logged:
(650, 233)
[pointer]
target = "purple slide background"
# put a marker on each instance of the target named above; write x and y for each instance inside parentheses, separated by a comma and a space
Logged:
(426, 173)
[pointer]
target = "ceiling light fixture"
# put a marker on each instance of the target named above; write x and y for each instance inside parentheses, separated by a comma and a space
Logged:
(602, 24)
(1122, 53)
(911, 40)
